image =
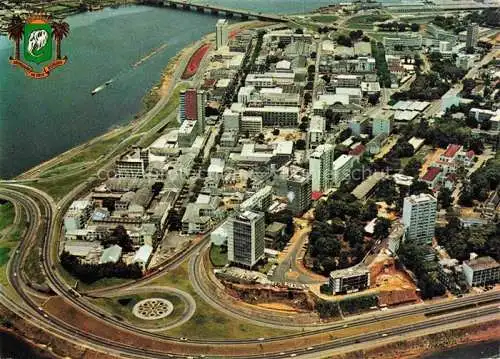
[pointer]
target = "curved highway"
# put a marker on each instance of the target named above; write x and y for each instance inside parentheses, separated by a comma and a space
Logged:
(39, 209)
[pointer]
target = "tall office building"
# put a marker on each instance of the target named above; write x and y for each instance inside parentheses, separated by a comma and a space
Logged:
(321, 168)
(472, 35)
(245, 241)
(419, 218)
(221, 33)
(294, 183)
(192, 106)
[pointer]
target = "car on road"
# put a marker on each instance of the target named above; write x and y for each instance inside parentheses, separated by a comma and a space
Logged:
(183, 339)
(261, 339)
(384, 335)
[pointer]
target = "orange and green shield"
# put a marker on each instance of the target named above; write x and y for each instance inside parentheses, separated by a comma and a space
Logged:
(37, 42)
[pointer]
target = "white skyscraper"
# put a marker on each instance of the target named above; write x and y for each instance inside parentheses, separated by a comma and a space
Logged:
(245, 240)
(419, 218)
(221, 33)
(472, 35)
(321, 168)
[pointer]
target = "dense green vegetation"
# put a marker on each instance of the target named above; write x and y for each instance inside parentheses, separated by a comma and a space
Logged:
(358, 303)
(459, 242)
(395, 26)
(89, 273)
(413, 256)
(484, 180)
(337, 238)
(7, 214)
(445, 131)
(446, 68)
(426, 87)
(328, 309)
(351, 305)
(383, 73)
(218, 255)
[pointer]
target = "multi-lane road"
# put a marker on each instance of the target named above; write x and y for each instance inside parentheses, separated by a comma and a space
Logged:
(40, 211)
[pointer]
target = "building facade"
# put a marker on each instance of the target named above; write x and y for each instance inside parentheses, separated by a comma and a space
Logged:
(221, 33)
(349, 280)
(342, 168)
(419, 218)
(245, 243)
(472, 35)
(321, 168)
(481, 271)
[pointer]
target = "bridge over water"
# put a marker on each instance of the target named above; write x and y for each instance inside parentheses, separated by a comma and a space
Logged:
(216, 10)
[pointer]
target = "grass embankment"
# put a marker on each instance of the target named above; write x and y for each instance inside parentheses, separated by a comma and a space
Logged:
(218, 256)
(207, 322)
(324, 18)
(7, 214)
(9, 238)
(366, 21)
(122, 309)
(32, 267)
(169, 108)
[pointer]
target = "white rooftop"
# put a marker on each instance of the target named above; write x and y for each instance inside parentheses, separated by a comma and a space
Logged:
(341, 161)
(143, 254)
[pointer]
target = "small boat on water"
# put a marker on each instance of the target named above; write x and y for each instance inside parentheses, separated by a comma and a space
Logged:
(109, 82)
(97, 89)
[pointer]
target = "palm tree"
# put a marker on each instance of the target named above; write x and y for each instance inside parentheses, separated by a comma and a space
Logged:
(15, 31)
(60, 30)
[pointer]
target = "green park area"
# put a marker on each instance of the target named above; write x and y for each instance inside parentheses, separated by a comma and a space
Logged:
(218, 256)
(326, 18)
(207, 322)
(168, 109)
(10, 235)
(7, 214)
(121, 308)
(366, 21)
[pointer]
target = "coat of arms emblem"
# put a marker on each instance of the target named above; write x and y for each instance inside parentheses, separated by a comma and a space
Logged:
(38, 34)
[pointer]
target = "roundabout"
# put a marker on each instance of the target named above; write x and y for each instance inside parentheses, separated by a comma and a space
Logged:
(153, 309)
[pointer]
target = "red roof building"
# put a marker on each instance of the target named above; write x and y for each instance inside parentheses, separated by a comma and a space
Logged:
(316, 195)
(451, 151)
(358, 150)
(432, 177)
(431, 174)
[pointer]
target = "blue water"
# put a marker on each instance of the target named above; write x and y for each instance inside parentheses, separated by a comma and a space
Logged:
(490, 350)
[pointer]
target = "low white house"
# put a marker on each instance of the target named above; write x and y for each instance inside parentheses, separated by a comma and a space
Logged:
(142, 256)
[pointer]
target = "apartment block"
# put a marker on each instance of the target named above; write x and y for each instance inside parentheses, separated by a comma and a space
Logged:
(481, 271)
(419, 218)
(321, 168)
(342, 167)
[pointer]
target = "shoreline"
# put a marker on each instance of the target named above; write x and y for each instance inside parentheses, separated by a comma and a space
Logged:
(35, 347)
(421, 346)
